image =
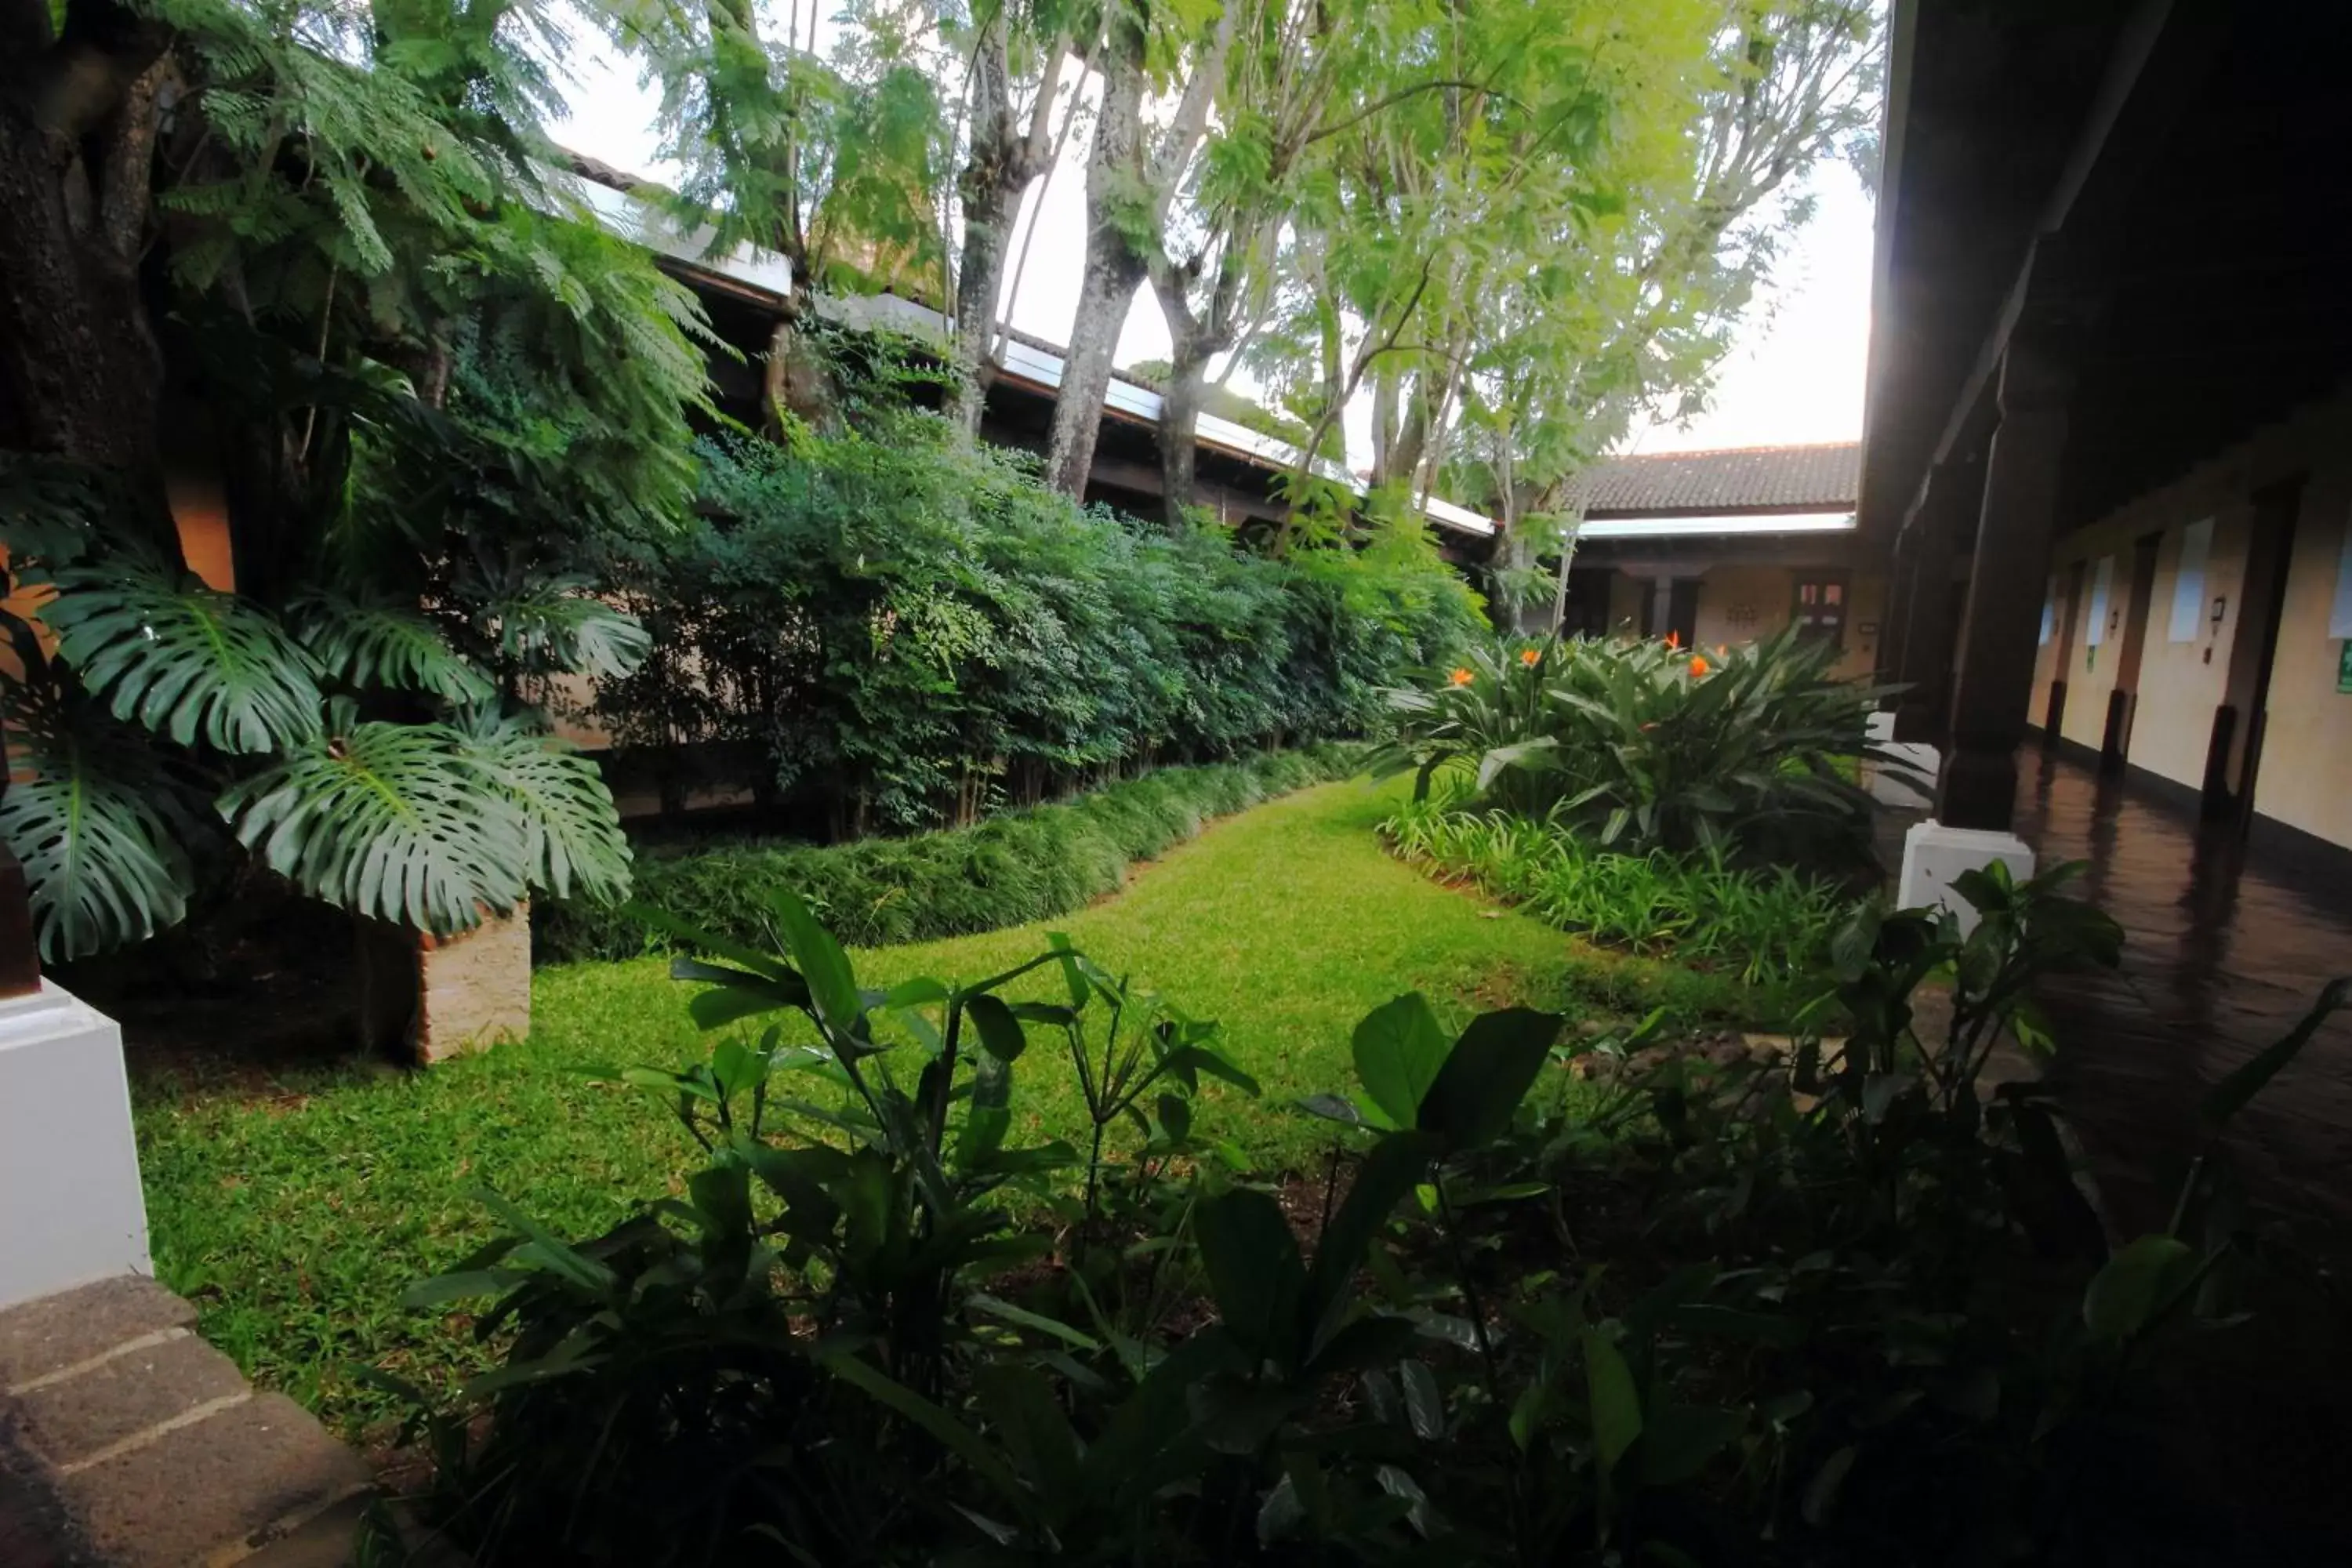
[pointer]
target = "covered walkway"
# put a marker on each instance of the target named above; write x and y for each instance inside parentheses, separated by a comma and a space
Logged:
(2226, 948)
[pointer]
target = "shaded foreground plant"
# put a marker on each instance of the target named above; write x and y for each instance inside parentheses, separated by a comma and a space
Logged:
(1861, 1317)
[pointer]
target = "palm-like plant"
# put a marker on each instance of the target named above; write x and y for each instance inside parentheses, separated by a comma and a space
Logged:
(1647, 746)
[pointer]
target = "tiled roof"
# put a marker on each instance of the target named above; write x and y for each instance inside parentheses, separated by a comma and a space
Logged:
(1823, 477)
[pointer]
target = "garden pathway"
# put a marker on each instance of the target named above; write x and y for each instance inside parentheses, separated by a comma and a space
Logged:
(127, 1442)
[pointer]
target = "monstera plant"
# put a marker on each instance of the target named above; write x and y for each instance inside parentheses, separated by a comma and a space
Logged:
(378, 755)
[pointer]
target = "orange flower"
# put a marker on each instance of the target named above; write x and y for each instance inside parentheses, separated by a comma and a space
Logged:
(1699, 665)
(1674, 639)
(1530, 657)
(1460, 677)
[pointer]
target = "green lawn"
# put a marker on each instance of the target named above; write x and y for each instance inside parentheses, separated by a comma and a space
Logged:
(296, 1217)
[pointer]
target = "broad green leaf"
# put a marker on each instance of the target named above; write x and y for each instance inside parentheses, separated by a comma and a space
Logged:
(832, 984)
(1616, 1402)
(571, 833)
(183, 659)
(101, 864)
(393, 821)
(1254, 1273)
(2230, 1095)
(1399, 1050)
(1486, 1075)
(1000, 1032)
(372, 642)
(2134, 1285)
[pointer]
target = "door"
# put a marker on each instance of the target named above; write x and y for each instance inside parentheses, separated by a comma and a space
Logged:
(2122, 702)
(2234, 755)
(2057, 713)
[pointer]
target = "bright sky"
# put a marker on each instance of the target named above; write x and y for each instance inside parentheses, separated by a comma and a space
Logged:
(1794, 374)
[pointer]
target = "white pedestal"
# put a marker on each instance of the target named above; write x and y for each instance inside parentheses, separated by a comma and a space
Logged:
(71, 1212)
(1934, 855)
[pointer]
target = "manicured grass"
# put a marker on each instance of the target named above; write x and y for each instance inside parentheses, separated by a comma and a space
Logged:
(296, 1217)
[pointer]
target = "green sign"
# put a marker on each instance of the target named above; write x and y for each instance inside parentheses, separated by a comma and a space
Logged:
(2344, 667)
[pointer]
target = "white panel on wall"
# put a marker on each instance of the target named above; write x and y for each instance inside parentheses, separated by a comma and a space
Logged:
(2339, 617)
(2188, 583)
(2049, 612)
(2103, 582)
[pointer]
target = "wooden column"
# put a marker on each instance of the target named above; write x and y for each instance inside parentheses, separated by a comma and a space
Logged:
(1992, 680)
(1951, 508)
(1894, 631)
(20, 953)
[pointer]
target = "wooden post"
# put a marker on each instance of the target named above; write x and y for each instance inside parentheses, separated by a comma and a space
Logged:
(20, 952)
(1952, 507)
(1993, 677)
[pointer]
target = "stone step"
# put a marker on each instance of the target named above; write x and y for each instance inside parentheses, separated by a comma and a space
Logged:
(154, 1448)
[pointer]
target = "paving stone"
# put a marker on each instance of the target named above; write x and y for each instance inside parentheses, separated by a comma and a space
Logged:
(60, 1331)
(324, 1542)
(211, 1485)
(66, 1421)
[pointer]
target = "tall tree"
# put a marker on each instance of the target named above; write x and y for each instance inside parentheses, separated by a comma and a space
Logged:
(1176, 49)
(1013, 50)
(830, 158)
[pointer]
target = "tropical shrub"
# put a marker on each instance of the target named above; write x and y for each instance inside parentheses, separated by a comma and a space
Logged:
(1012, 868)
(894, 629)
(416, 371)
(1647, 746)
(1854, 1310)
(833, 1350)
(1768, 925)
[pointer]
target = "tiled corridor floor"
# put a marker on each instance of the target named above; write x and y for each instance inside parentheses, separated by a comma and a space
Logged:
(2225, 949)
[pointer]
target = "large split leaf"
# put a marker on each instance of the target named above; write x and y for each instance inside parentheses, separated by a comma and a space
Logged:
(183, 659)
(102, 865)
(571, 834)
(401, 822)
(370, 643)
(555, 624)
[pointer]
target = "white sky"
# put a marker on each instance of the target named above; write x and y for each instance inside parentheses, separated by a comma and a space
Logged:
(1794, 374)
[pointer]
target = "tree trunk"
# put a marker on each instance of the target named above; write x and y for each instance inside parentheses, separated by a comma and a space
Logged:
(987, 235)
(1115, 266)
(81, 374)
(991, 186)
(1179, 420)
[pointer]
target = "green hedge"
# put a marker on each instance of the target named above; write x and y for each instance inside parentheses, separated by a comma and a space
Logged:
(1020, 867)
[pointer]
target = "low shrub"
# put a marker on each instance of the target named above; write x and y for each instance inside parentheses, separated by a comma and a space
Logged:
(1768, 925)
(1008, 871)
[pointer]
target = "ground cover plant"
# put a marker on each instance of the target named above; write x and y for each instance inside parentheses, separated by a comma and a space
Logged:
(293, 1204)
(1861, 1314)
(1770, 926)
(1018, 867)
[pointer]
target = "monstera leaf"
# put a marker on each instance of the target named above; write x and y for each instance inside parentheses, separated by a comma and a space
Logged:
(103, 866)
(183, 659)
(401, 822)
(369, 642)
(548, 624)
(572, 835)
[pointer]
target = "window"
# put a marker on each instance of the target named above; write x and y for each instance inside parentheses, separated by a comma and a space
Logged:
(1820, 609)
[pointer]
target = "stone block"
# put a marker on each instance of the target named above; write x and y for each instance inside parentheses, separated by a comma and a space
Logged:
(219, 1483)
(1934, 857)
(68, 1421)
(474, 988)
(65, 1330)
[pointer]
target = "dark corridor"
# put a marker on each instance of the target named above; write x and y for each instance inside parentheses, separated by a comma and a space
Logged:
(2225, 948)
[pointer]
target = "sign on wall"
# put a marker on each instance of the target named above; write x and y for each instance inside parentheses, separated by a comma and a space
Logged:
(2103, 582)
(2188, 582)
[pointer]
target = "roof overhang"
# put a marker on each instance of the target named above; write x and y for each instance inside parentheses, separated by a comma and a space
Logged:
(1720, 525)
